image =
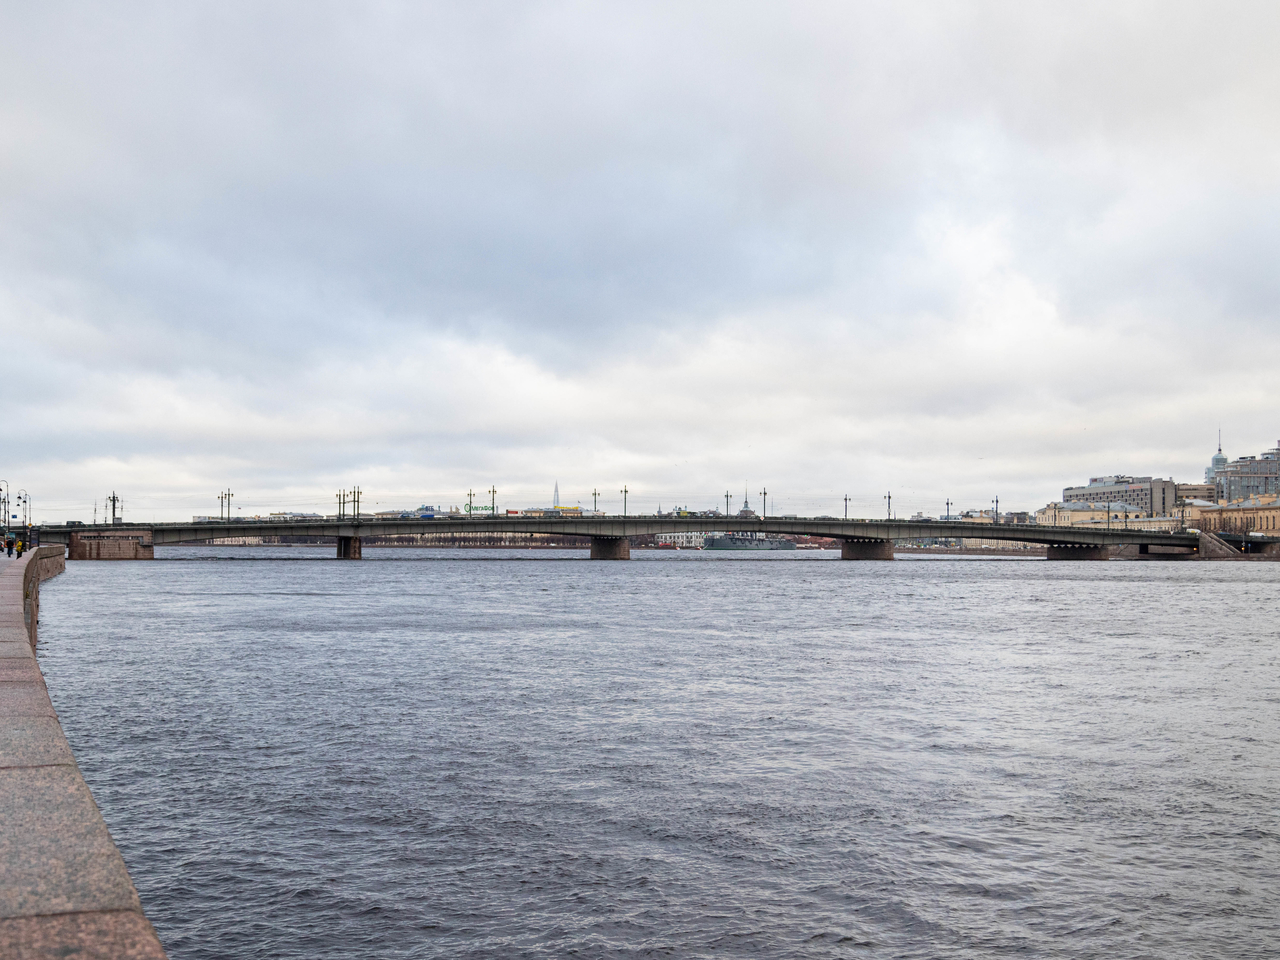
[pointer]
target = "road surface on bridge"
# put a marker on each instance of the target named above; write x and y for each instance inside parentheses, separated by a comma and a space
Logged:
(622, 527)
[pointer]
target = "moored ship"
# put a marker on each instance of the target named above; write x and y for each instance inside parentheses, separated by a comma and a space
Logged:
(747, 541)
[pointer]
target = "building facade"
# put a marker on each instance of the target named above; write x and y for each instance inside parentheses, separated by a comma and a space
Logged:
(1119, 516)
(683, 540)
(1146, 496)
(1255, 515)
(1198, 491)
(1249, 477)
(1216, 464)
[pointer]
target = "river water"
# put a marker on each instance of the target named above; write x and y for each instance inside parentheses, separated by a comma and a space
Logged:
(478, 753)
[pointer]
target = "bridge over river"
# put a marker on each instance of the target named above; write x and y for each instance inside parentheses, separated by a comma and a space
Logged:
(860, 539)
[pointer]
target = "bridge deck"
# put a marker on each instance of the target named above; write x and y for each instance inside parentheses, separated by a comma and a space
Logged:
(170, 533)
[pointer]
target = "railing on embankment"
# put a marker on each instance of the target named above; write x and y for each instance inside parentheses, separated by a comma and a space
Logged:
(64, 889)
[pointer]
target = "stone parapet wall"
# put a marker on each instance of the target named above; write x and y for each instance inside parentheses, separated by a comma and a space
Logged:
(43, 563)
(64, 888)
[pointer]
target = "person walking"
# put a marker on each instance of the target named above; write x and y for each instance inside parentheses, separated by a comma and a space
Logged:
(20, 545)
(8, 542)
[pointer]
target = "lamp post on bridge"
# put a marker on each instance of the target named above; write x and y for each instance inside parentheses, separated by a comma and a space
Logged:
(995, 516)
(764, 503)
(623, 491)
(888, 510)
(846, 506)
(595, 500)
(726, 503)
(470, 497)
(493, 502)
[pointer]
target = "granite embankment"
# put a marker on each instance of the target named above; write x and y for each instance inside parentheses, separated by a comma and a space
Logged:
(64, 889)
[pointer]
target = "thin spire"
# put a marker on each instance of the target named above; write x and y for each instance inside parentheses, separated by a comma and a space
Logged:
(1219, 439)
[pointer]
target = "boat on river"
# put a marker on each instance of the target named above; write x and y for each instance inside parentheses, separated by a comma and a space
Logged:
(747, 541)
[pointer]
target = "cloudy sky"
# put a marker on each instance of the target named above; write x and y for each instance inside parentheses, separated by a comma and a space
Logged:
(946, 250)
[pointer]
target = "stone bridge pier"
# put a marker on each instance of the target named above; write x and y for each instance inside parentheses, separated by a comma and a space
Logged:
(866, 550)
(111, 543)
(610, 548)
(348, 548)
(1077, 552)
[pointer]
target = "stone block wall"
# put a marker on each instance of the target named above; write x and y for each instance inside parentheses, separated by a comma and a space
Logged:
(64, 888)
(107, 543)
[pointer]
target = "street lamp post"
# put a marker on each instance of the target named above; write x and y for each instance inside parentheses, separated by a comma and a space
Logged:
(888, 510)
(624, 491)
(726, 503)
(493, 501)
(595, 500)
(24, 500)
(846, 506)
(764, 503)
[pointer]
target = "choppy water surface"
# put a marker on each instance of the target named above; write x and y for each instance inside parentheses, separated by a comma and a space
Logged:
(483, 754)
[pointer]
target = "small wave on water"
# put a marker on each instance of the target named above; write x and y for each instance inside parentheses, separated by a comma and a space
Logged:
(679, 756)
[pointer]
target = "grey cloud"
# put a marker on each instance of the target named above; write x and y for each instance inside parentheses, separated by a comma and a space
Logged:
(250, 208)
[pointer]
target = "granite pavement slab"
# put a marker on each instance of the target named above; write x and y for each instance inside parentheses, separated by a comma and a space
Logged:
(56, 855)
(81, 936)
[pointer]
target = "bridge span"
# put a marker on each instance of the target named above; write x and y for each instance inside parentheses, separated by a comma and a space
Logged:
(860, 539)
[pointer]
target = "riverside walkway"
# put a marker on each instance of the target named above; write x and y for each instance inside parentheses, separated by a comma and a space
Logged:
(64, 889)
(609, 536)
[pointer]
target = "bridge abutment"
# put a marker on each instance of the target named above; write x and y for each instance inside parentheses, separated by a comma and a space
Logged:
(610, 548)
(111, 543)
(349, 548)
(1077, 552)
(866, 550)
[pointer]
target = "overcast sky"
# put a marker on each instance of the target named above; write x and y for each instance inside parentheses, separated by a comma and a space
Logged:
(949, 250)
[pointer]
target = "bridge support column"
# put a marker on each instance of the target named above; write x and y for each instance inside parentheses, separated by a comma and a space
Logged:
(1071, 552)
(866, 550)
(610, 548)
(348, 548)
